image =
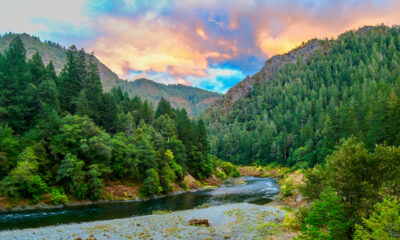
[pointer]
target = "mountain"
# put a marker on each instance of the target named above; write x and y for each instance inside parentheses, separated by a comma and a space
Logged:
(194, 100)
(301, 104)
(271, 67)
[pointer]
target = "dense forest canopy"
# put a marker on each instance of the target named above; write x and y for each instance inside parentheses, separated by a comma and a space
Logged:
(64, 134)
(348, 88)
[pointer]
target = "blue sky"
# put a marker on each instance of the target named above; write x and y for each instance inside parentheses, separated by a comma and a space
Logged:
(211, 44)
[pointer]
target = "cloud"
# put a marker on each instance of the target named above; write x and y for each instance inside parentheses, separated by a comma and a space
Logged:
(207, 43)
(46, 18)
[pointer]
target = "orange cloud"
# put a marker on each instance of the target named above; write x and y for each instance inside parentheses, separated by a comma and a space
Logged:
(183, 44)
(152, 46)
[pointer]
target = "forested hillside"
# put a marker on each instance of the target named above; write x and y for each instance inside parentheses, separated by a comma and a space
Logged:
(63, 134)
(194, 100)
(348, 86)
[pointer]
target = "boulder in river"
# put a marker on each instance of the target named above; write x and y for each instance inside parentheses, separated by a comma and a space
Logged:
(199, 222)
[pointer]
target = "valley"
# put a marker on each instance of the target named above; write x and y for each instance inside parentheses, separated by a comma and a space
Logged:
(308, 147)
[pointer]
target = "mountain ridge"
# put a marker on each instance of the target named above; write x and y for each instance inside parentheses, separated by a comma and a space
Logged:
(267, 72)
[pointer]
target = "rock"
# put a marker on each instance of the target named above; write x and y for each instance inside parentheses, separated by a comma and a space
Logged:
(199, 222)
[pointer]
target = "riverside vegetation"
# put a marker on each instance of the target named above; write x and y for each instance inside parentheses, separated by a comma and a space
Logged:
(63, 136)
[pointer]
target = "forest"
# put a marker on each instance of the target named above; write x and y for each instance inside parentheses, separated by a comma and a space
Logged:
(63, 135)
(336, 117)
(348, 88)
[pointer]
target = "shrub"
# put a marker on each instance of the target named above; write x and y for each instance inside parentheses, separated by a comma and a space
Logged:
(95, 183)
(383, 224)
(221, 175)
(151, 184)
(326, 219)
(35, 187)
(287, 188)
(57, 198)
(230, 169)
(72, 175)
(314, 182)
(167, 178)
(23, 180)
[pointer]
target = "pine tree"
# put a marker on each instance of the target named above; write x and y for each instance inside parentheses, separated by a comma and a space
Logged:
(72, 78)
(36, 68)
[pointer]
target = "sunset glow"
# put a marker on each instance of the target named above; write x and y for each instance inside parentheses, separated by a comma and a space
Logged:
(210, 44)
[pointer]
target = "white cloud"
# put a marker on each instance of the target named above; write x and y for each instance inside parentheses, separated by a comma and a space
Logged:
(31, 16)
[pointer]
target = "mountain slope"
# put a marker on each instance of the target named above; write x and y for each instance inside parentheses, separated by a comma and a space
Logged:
(267, 72)
(299, 106)
(194, 100)
(56, 53)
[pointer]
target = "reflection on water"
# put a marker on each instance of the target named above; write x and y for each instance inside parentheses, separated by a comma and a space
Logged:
(254, 190)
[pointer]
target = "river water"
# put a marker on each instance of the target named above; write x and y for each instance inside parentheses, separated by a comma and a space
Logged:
(253, 190)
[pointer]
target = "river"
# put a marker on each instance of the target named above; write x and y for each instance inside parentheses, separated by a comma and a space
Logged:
(253, 190)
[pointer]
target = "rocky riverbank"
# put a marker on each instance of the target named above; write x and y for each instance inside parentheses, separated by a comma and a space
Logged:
(117, 191)
(230, 221)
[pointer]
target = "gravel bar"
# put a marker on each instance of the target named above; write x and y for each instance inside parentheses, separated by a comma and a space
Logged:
(230, 221)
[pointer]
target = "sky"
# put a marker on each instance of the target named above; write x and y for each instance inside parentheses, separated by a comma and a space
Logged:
(211, 44)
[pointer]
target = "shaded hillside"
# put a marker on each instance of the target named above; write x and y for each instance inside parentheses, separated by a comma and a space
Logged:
(194, 100)
(299, 106)
(55, 52)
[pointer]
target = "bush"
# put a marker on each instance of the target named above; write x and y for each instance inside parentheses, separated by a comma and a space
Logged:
(314, 182)
(167, 178)
(23, 180)
(230, 169)
(383, 224)
(326, 219)
(71, 174)
(221, 175)
(35, 187)
(287, 188)
(151, 184)
(95, 183)
(57, 198)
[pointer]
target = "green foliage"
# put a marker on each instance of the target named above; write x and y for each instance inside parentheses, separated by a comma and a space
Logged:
(76, 136)
(151, 184)
(72, 176)
(221, 175)
(8, 150)
(23, 179)
(167, 178)
(287, 188)
(57, 198)
(315, 181)
(358, 176)
(326, 219)
(383, 223)
(229, 169)
(95, 183)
